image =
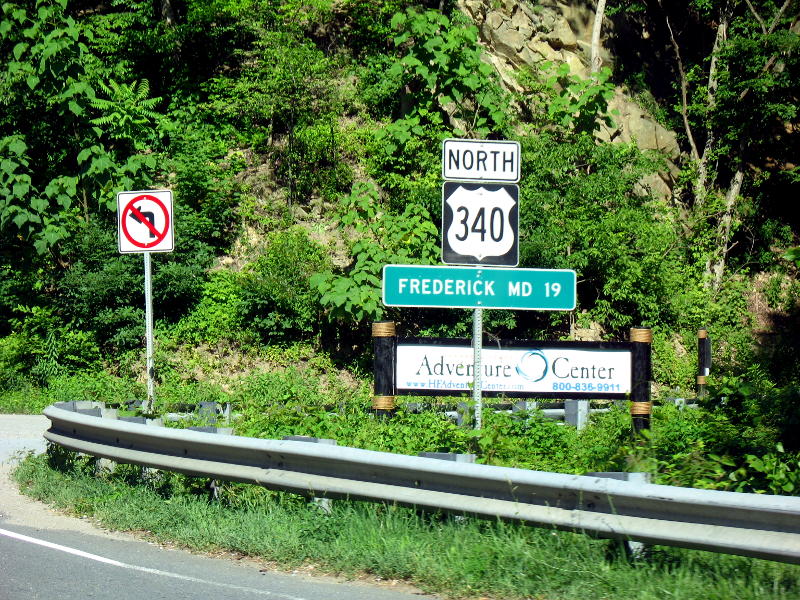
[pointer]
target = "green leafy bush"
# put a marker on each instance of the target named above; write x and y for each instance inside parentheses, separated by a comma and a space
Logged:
(278, 300)
(578, 210)
(102, 291)
(380, 238)
(674, 360)
(312, 162)
(772, 473)
(445, 79)
(219, 313)
(284, 82)
(580, 105)
(12, 361)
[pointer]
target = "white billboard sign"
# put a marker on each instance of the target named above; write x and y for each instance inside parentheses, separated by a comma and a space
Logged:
(524, 370)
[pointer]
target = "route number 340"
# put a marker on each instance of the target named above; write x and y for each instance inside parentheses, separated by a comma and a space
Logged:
(479, 224)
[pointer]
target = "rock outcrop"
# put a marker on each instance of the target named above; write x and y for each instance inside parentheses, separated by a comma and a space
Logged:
(517, 34)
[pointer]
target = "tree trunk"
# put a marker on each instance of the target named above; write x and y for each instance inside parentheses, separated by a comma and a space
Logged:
(597, 27)
(701, 183)
(715, 268)
(167, 13)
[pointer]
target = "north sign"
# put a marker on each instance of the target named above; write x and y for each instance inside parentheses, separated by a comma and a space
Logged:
(463, 287)
(480, 224)
(480, 160)
(145, 221)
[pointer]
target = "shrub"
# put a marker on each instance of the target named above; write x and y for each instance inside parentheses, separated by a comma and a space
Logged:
(278, 300)
(218, 315)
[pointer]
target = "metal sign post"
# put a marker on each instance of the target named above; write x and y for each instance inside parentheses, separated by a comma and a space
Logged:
(480, 223)
(477, 343)
(145, 224)
(148, 319)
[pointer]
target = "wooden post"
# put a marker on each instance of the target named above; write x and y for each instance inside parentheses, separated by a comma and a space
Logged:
(641, 405)
(703, 361)
(384, 339)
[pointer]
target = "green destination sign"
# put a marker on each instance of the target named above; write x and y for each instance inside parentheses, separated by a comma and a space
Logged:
(478, 287)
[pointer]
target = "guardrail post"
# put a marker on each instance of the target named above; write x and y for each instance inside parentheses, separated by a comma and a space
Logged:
(703, 361)
(635, 550)
(576, 413)
(322, 503)
(641, 405)
(384, 341)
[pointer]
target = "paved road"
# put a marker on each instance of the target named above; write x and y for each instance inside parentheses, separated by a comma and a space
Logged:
(44, 555)
(21, 433)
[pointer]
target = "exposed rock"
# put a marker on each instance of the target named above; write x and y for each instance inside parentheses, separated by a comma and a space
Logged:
(517, 34)
(561, 36)
(640, 127)
(592, 333)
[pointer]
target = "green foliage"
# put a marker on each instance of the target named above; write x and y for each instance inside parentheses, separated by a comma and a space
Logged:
(92, 384)
(102, 292)
(525, 440)
(176, 395)
(284, 82)
(32, 217)
(49, 348)
(579, 210)
(793, 254)
(49, 171)
(775, 473)
(380, 238)
(368, 24)
(277, 298)
(219, 313)
(674, 361)
(201, 170)
(730, 87)
(444, 79)
(128, 115)
(782, 293)
(12, 361)
(312, 162)
(759, 408)
(578, 104)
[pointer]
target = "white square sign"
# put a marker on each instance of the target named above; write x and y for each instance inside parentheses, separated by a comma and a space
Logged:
(145, 221)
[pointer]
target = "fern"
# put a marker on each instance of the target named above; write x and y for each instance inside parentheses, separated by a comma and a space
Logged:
(128, 114)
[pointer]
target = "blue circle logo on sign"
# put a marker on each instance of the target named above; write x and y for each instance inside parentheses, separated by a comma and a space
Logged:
(533, 366)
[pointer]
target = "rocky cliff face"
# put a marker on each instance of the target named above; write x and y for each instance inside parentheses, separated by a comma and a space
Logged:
(519, 33)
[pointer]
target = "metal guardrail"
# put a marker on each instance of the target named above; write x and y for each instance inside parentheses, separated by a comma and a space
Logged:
(747, 524)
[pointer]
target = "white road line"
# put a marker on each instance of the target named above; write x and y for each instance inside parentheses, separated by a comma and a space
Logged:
(116, 563)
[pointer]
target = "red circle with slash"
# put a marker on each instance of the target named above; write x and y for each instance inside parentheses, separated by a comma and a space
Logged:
(136, 214)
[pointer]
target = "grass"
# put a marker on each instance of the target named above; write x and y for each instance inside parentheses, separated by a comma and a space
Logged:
(30, 399)
(466, 558)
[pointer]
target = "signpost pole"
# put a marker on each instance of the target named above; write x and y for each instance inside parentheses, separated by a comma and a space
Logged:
(145, 224)
(148, 316)
(477, 343)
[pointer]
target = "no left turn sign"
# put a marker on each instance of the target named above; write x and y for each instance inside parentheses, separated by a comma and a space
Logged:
(145, 222)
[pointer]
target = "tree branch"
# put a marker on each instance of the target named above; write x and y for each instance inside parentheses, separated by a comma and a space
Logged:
(684, 86)
(711, 101)
(774, 58)
(757, 16)
(778, 16)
